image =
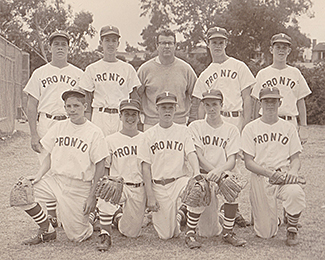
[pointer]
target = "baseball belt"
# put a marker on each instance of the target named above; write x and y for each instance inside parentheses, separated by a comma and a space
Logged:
(62, 117)
(134, 185)
(287, 117)
(164, 181)
(108, 110)
(230, 113)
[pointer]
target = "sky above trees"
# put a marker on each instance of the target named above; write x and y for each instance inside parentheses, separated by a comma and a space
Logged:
(125, 15)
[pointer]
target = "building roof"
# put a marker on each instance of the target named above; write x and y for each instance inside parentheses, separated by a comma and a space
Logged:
(320, 47)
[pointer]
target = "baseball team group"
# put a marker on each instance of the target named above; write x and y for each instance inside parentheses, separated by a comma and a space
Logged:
(84, 125)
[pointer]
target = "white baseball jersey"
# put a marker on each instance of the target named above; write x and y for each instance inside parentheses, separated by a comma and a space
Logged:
(75, 149)
(165, 149)
(217, 144)
(271, 145)
(230, 77)
(47, 85)
(111, 82)
(122, 159)
(289, 81)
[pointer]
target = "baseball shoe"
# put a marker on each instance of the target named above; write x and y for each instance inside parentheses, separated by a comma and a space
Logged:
(105, 242)
(232, 238)
(53, 221)
(42, 236)
(192, 242)
(240, 221)
(292, 236)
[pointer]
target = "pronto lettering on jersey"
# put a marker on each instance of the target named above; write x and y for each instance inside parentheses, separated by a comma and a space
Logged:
(109, 77)
(58, 79)
(279, 81)
(271, 137)
(73, 142)
(169, 145)
(126, 151)
(214, 140)
(224, 73)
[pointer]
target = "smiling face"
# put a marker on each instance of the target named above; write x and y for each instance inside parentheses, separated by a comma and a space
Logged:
(59, 48)
(110, 44)
(166, 112)
(75, 108)
(280, 51)
(212, 108)
(129, 118)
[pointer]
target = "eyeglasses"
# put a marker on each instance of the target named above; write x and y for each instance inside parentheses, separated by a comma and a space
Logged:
(166, 43)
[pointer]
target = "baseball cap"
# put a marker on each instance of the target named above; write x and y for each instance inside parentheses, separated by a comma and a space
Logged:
(280, 37)
(212, 94)
(217, 32)
(58, 33)
(132, 104)
(109, 29)
(271, 92)
(69, 92)
(166, 97)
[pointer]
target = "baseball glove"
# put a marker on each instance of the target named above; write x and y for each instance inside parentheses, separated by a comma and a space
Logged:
(197, 192)
(22, 193)
(280, 177)
(230, 186)
(110, 189)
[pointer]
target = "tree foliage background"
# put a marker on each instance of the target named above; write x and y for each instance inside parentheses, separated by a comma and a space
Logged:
(251, 24)
(28, 24)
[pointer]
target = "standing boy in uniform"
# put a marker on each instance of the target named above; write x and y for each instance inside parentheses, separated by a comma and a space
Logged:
(123, 162)
(76, 150)
(289, 80)
(162, 157)
(270, 143)
(110, 81)
(217, 144)
(44, 89)
(231, 76)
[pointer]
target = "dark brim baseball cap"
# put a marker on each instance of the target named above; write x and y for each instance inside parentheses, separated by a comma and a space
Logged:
(217, 32)
(74, 92)
(212, 94)
(271, 92)
(109, 30)
(131, 104)
(59, 34)
(281, 37)
(166, 98)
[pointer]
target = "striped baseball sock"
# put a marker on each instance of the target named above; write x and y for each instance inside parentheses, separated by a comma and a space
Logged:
(105, 221)
(192, 221)
(293, 221)
(229, 217)
(40, 218)
(51, 208)
(181, 215)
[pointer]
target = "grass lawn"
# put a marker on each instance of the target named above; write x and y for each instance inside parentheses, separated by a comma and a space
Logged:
(17, 159)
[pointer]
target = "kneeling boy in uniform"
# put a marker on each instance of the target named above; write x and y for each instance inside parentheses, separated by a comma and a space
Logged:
(76, 152)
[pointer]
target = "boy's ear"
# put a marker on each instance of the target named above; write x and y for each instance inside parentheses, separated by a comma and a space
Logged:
(85, 106)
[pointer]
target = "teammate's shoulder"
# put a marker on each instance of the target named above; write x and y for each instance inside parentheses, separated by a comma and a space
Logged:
(146, 64)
